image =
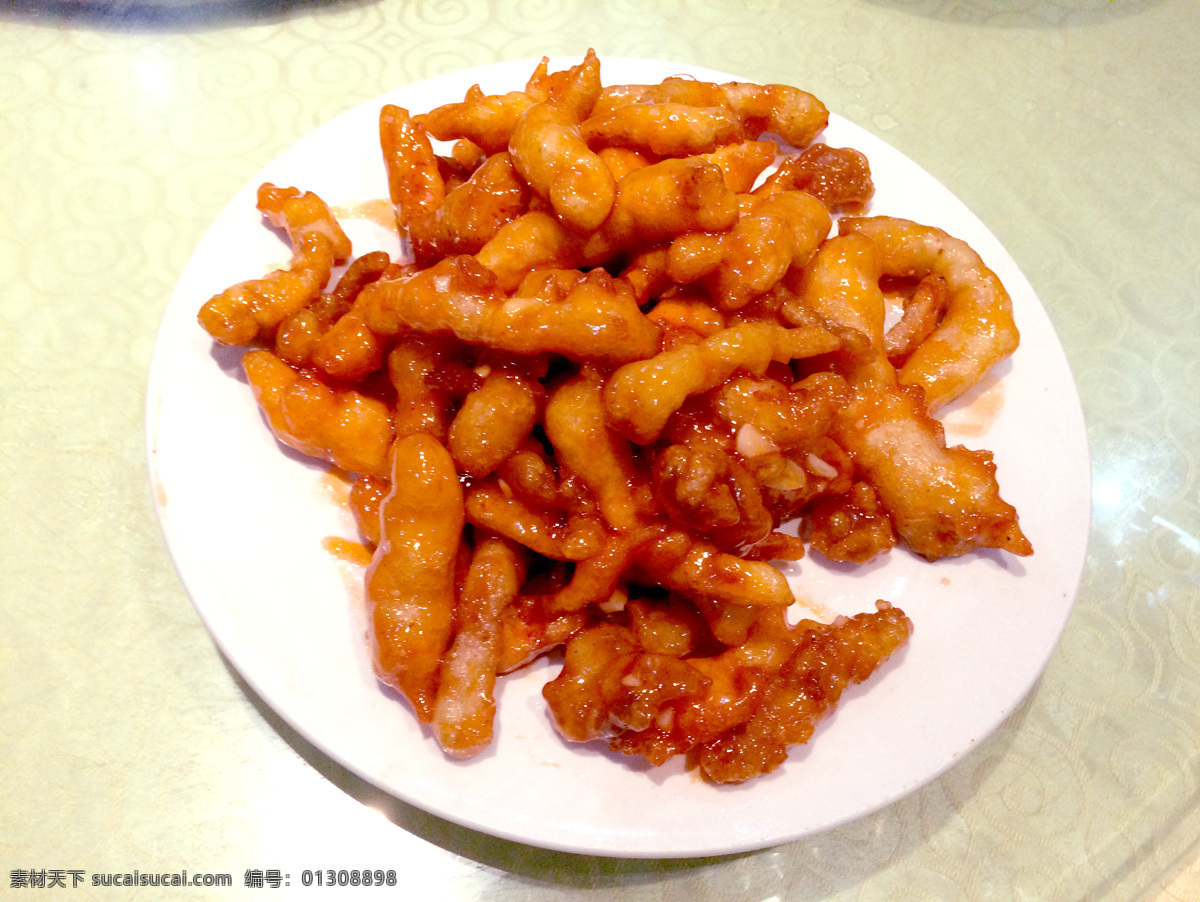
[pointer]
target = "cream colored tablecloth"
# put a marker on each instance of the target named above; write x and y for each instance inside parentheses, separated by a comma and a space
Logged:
(1071, 127)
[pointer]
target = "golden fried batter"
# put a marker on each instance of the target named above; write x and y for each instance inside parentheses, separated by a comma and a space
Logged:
(555, 160)
(977, 330)
(342, 426)
(642, 395)
(411, 583)
(580, 316)
(626, 370)
(251, 310)
(943, 501)
(415, 181)
(465, 707)
(736, 712)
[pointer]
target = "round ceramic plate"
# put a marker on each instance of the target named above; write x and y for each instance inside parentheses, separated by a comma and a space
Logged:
(248, 522)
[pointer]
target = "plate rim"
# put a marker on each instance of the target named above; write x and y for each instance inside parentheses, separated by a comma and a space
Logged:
(219, 631)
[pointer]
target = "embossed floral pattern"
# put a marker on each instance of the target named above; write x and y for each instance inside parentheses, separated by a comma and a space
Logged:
(1069, 126)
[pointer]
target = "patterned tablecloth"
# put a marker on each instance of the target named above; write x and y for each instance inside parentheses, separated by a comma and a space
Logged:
(127, 743)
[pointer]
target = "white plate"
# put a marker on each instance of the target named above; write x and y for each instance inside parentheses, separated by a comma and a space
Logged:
(245, 521)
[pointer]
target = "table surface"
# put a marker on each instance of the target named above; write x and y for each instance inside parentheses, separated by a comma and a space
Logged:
(128, 743)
